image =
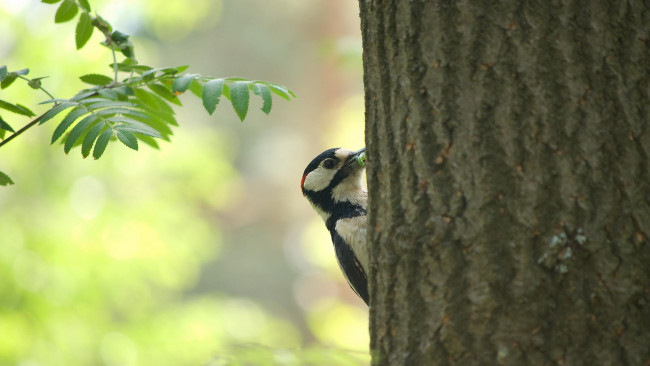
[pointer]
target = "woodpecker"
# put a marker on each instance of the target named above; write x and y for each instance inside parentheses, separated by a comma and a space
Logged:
(332, 184)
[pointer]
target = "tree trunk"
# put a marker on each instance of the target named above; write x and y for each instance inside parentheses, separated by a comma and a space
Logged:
(509, 186)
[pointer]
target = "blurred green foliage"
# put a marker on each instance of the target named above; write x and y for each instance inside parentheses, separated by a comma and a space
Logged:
(113, 262)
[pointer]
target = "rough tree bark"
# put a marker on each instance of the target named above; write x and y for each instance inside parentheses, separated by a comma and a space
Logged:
(509, 182)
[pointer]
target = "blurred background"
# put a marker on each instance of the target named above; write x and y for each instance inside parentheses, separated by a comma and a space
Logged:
(203, 252)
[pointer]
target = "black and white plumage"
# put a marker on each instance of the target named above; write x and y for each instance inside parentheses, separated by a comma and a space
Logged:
(332, 184)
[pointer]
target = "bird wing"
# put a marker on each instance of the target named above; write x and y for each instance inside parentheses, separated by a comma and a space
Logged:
(351, 266)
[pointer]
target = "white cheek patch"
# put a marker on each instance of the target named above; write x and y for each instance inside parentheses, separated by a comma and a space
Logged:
(353, 231)
(318, 179)
(350, 189)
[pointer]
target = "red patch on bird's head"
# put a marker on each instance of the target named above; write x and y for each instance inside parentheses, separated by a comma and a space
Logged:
(302, 183)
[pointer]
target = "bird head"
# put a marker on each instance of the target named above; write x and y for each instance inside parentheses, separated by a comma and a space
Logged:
(334, 176)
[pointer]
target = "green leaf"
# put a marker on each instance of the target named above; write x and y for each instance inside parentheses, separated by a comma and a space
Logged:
(8, 80)
(22, 72)
(89, 140)
(264, 92)
(55, 110)
(182, 68)
(16, 108)
(5, 126)
(130, 124)
(196, 88)
(239, 97)
(101, 143)
(50, 1)
(96, 79)
(5, 180)
(68, 120)
(75, 133)
(164, 92)
(181, 83)
(119, 110)
(281, 91)
(35, 83)
(211, 93)
(107, 103)
(127, 139)
(84, 4)
(148, 140)
(66, 11)
(84, 28)
(3, 72)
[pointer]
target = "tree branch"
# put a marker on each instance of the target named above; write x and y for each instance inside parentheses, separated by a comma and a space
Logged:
(27, 126)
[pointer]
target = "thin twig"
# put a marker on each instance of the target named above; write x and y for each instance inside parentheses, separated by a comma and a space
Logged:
(114, 64)
(40, 87)
(15, 134)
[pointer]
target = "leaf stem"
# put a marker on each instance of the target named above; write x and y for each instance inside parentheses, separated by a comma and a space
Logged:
(40, 87)
(114, 63)
(27, 126)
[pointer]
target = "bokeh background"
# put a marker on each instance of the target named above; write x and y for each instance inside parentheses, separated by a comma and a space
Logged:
(203, 252)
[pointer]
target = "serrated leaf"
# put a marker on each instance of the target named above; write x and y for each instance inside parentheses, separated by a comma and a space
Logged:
(96, 79)
(196, 88)
(108, 103)
(239, 97)
(55, 110)
(148, 140)
(5, 180)
(68, 120)
(155, 105)
(90, 137)
(84, 28)
(16, 108)
(134, 126)
(75, 133)
(84, 4)
(124, 90)
(5, 126)
(120, 110)
(281, 91)
(66, 11)
(127, 138)
(264, 92)
(181, 83)
(101, 143)
(3, 72)
(164, 92)
(211, 93)
(8, 80)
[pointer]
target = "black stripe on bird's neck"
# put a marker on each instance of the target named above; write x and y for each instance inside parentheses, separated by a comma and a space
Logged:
(343, 210)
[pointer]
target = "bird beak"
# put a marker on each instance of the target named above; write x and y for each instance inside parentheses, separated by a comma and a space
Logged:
(357, 157)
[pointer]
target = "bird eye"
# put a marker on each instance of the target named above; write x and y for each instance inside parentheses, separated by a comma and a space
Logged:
(329, 164)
